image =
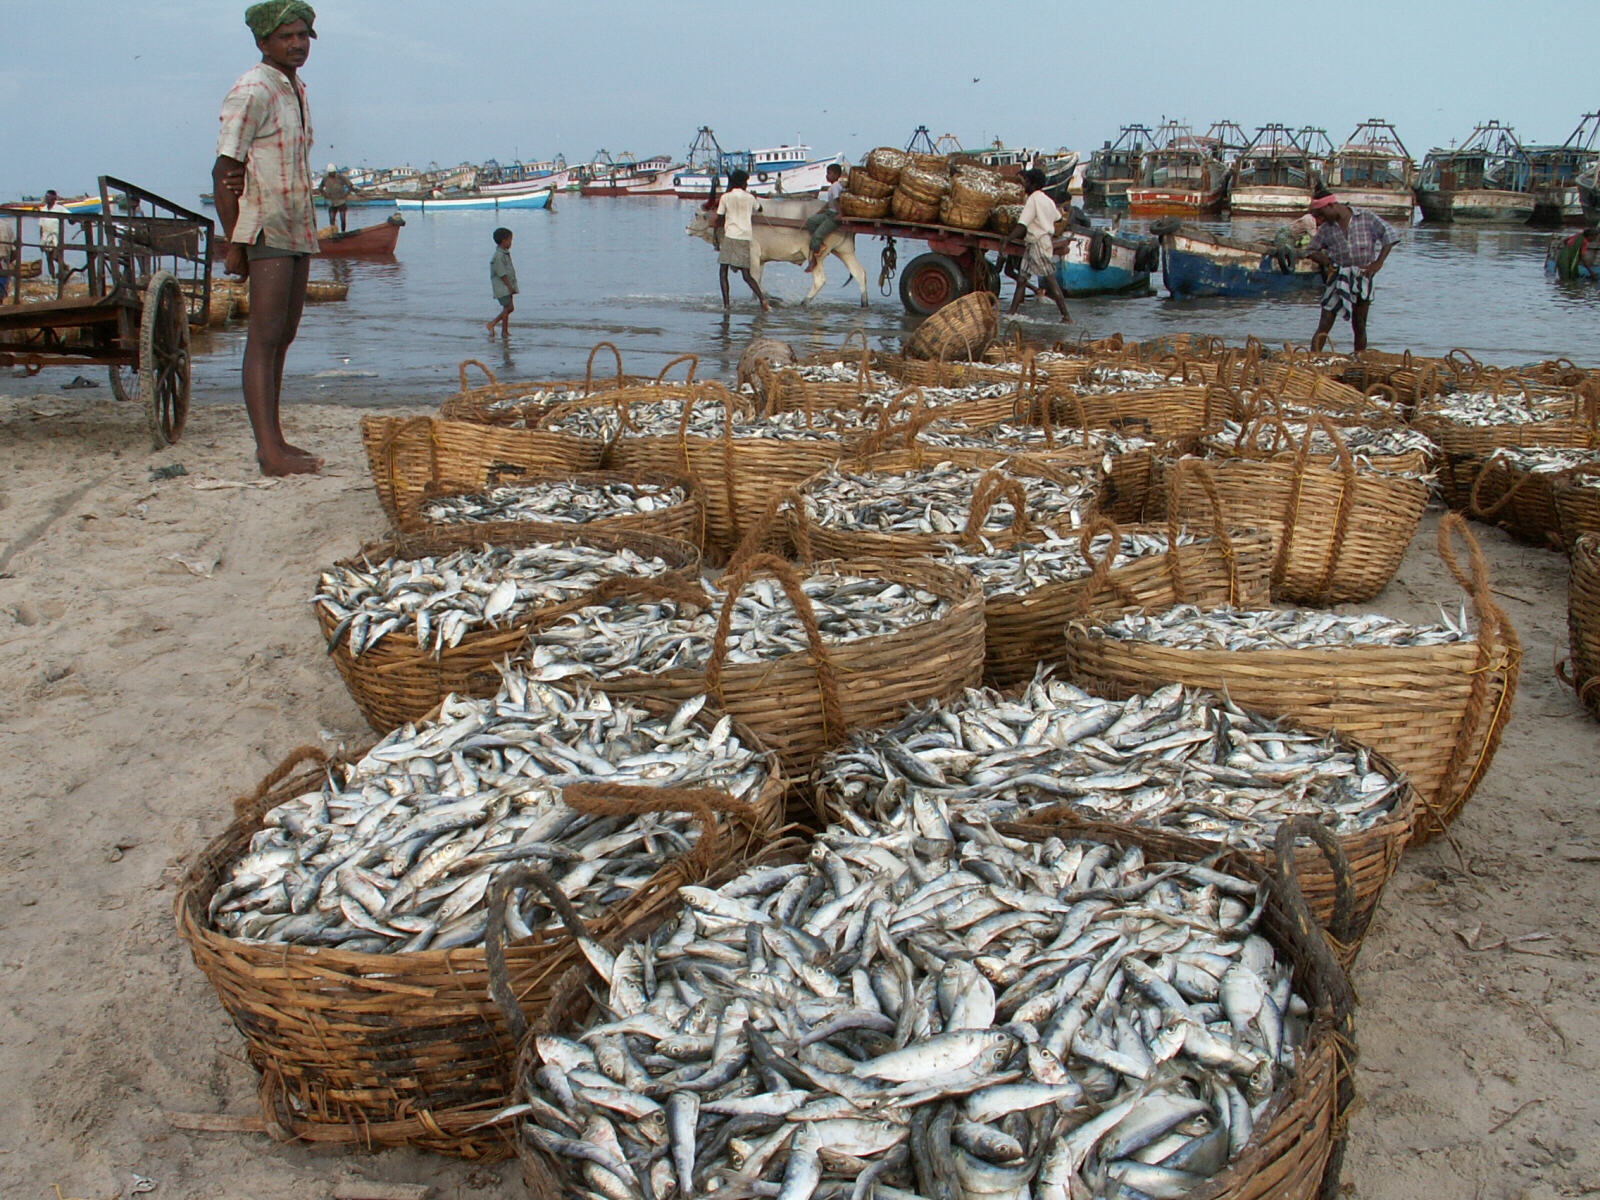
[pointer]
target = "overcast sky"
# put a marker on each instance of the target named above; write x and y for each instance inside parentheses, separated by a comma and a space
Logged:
(133, 90)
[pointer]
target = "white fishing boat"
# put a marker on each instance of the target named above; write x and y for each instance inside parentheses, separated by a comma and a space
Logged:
(708, 161)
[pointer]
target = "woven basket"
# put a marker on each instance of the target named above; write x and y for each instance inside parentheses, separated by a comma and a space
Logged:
(412, 458)
(1176, 417)
(1006, 477)
(1521, 502)
(789, 391)
(738, 475)
(1025, 630)
(1296, 1151)
(1281, 443)
(684, 521)
(863, 208)
(1583, 622)
(396, 681)
(486, 405)
(885, 164)
(965, 216)
(802, 704)
(961, 329)
(1004, 217)
(903, 206)
(378, 1050)
(1464, 448)
(1338, 533)
(1436, 712)
(863, 183)
(1577, 505)
(921, 183)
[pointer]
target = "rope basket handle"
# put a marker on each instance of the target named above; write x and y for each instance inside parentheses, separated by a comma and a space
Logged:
(389, 455)
(833, 728)
(588, 368)
(1219, 528)
(1475, 580)
(243, 806)
(1475, 496)
(461, 373)
(764, 525)
(992, 486)
(1100, 569)
(1347, 501)
(661, 376)
(1332, 975)
(1462, 363)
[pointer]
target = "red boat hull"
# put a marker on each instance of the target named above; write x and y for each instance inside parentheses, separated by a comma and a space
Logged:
(370, 240)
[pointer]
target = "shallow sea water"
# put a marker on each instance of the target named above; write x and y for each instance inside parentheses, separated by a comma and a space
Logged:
(624, 271)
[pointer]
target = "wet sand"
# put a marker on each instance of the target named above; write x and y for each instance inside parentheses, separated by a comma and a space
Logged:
(161, 657)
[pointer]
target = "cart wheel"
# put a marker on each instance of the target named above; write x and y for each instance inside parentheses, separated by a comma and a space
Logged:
(930, 282)
(124, 383)
(164, 359)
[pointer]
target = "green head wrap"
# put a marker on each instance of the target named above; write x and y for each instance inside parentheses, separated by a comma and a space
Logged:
(263, 18)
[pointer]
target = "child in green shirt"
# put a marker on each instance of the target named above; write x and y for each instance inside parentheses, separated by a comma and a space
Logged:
(503, 278)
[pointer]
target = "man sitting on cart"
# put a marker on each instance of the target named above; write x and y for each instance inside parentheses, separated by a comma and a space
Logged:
(266, 200)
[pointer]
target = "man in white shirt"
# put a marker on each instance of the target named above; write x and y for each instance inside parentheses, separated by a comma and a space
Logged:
(1037, 225)
(736, 219)
(820, 224)
(50, 236)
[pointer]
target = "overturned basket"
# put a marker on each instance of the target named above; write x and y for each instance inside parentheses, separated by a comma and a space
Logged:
(410, 1049)
(961, 329)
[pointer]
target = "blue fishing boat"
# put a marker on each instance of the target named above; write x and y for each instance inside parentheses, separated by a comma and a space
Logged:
(536, 198)
(1100, 262)
(1203, 264)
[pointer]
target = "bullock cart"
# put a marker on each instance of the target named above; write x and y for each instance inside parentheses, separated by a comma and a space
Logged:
(132, 279)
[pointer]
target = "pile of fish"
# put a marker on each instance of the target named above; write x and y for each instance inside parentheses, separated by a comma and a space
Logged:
(1105, 380)
(439, 600)
(567, 500)
(531, 403)
(1186, 627)
(1011, 435)
(934, 1010)
(630, 635)
(840, 372)
(937, 498)
(709, 419)
(1186, 762)
(1488, 408)
(1017, 568)
(395, 852)
(1549, 460)
(1363, 441)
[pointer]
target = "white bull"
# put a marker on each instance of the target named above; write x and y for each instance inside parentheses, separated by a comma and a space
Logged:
(792, 244)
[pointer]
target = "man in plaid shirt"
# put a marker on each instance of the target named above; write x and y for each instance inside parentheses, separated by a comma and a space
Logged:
(1350, 245)
(265, 199)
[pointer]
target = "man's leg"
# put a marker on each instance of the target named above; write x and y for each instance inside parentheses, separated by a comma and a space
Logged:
(756, 288)
(1358, 324)
(277, 295)
(1324, 325)
(722, 277)
(1053, 286)
(1016, 296)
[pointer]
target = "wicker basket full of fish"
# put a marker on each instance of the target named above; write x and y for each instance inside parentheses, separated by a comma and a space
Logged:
(341, 916)
(651, 502)
(889, 1021)
(411, 619)
(1388, 447)
(1032, 588)
(1583, 622)
(1433, 699)
(1577, 497)
(1187, 763)
(906, 504)
(1469, 426)
(1516, 489)
(519, 404)
(1339, 528)
(800, 656)
(413, 458)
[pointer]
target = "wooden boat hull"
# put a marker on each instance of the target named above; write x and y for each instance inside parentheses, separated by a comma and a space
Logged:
(1269, 201)
(1174, 202)
(370, 241)
(1477, 205)
(1561, 204)
(1127, 272)
(1392, 204)
(1106, 193)
(535, 199)
(1193, 265)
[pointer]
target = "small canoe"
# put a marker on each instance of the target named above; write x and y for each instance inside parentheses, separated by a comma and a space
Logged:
(538, 198)
(1097, 262)
(369, 241)
(1200, 264)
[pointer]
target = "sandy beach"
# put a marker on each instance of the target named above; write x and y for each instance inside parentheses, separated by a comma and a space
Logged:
(161, 657)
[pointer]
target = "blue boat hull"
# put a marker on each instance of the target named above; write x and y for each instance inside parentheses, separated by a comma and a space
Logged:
(1187, 274)
(1080, 279)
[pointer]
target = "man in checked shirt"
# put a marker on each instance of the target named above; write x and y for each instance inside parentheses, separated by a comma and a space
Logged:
(265, 199)
(1350, 245)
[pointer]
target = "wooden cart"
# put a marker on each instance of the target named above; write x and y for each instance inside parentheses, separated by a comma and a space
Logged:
(130, 281)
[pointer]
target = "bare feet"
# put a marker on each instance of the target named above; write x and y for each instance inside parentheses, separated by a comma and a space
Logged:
(286, 463)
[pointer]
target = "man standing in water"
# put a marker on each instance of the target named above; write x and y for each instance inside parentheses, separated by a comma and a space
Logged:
(1350, 245)
(1037, 225)
(266, 201)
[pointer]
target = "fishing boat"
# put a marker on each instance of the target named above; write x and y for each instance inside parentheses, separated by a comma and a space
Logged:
(1486, 178)
(1104, 261)
(542, 197)
(1374, 170)
(1557, 197)
(518, 176)
(1589, 194)
(626, 176)
(708, 160)
(1186, 174)
(1277, 172)
(370, 241)
(1114, 168)
(1204, 264)
(1059, 166)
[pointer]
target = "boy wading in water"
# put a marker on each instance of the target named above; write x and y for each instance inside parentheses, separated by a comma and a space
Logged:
(265, 198)
(503, 278)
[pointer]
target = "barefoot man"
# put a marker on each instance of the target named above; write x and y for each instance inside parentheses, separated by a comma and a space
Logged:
(265, 198)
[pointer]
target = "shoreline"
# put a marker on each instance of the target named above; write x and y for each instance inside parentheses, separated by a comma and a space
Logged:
(163, 658)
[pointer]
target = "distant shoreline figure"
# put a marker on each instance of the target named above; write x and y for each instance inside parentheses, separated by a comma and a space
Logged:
(820, 224)
(1350, 246)
(50, 236)
(736, 219)
(335, 190)
(1576, 254)
(266, 202)
(1037, 226)
(503, 279)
